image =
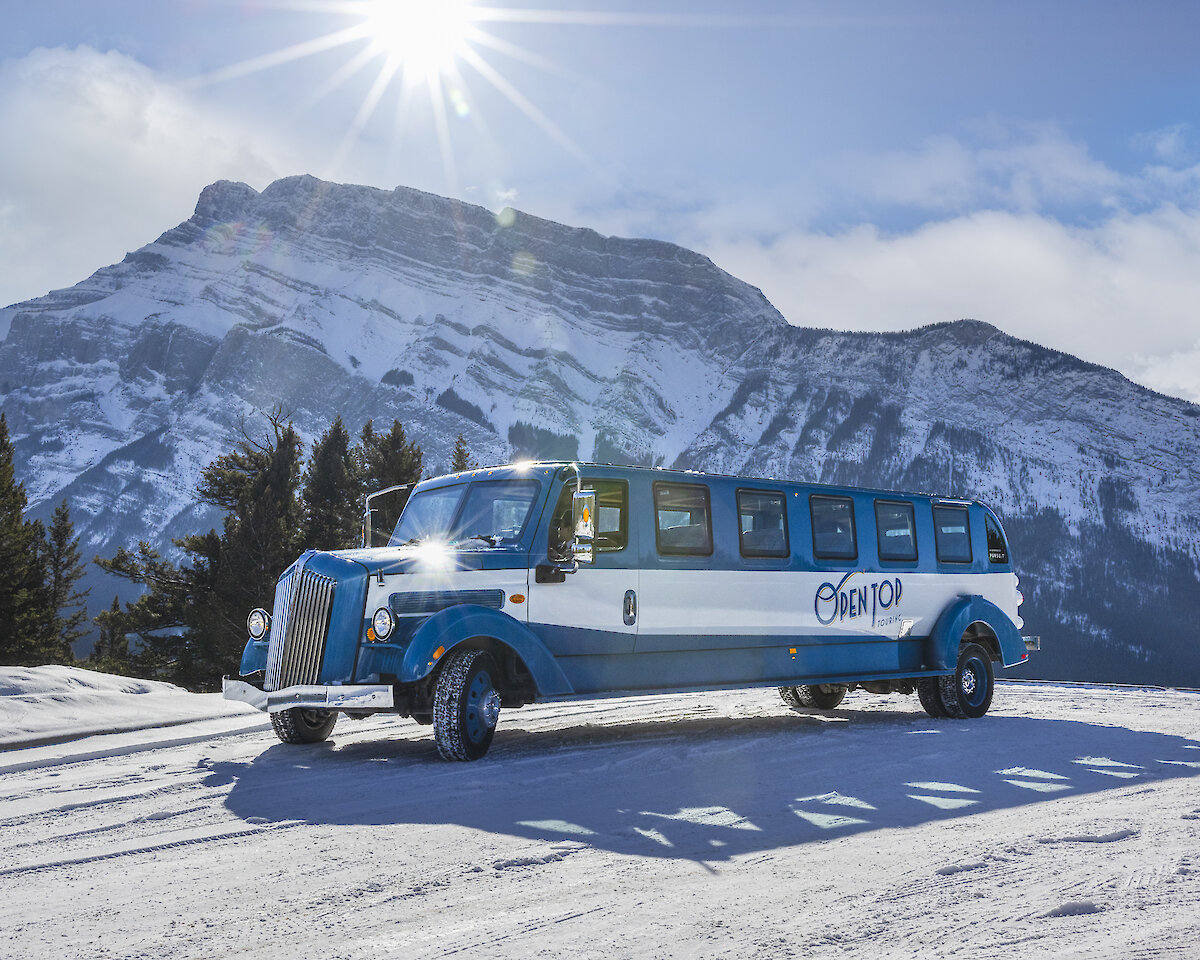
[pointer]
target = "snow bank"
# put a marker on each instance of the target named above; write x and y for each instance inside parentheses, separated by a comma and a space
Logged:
(50, 704)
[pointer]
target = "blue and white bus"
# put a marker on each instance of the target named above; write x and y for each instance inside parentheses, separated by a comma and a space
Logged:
(535, 582)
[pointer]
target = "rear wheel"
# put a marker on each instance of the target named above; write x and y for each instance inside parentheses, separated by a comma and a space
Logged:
(466, 705)
(929, 691)
(968, 692)
(302, 725)
(813, 696)
(822, 696)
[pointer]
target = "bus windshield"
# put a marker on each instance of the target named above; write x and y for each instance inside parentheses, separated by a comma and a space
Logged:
(427, 515)
(491, 511)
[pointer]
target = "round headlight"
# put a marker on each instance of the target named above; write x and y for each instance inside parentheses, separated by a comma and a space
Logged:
(258, 623)
(382, 623)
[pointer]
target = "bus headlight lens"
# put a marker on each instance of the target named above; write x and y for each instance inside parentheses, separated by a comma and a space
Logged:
(382, 623)
(258, 623)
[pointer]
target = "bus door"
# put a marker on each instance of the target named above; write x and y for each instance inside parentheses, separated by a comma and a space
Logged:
(592, 611)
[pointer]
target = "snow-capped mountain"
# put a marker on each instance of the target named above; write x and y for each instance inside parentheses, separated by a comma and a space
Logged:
(535, 338)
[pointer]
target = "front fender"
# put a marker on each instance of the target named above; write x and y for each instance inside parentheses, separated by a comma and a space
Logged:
(943, 642)
(254, 657)
(455, 625)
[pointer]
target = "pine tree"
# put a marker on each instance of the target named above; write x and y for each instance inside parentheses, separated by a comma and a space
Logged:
(330, 498)
(386, 460)
(67, 606)
(460, 458)
(110, 654)
(190, 624)
(23, 600)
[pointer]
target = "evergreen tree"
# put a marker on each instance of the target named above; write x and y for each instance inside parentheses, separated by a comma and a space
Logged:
(385, 460)
(460, 458)
(23, 600)
(331, 500)
(190, 623)
(67, 606)
(111, 651)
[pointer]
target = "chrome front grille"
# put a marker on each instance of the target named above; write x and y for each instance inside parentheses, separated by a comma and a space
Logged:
(299, 626)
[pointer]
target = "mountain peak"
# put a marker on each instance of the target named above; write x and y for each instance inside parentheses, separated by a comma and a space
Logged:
(225, 200)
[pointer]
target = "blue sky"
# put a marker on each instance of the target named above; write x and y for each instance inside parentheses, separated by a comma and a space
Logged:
(868, 165)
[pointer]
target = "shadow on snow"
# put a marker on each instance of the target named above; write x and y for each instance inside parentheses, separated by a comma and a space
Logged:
(706, 789)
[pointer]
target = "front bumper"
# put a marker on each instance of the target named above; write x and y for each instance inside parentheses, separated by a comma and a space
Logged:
(358, 697)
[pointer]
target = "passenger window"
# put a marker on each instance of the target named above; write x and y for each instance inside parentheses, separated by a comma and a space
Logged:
(833, 528)
(612, 518)
(762, 524)
(682, 519)
(997, 546)
(896, 530)
(952, 533)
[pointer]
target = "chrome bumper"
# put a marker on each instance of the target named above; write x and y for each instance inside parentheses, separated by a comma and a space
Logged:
(363, 697)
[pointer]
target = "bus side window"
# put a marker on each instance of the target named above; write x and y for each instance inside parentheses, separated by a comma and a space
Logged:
(997, 546)
(833, 528)
(896, 530)
(683, 523)
(762, 524)
(952, 534)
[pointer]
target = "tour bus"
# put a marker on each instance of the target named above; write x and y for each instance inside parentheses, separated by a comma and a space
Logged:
(537, 582)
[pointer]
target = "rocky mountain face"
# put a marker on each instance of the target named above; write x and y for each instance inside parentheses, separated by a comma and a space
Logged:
(533, 338)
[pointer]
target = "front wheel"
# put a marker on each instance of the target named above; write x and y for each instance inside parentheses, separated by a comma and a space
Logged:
(466, 705)
(968, 692)
(302, 725)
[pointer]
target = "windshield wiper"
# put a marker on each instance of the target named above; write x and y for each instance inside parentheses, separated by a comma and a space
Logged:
(490, 539)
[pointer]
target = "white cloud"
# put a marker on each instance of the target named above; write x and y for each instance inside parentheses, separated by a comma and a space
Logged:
(101, 155)
(1124, 293)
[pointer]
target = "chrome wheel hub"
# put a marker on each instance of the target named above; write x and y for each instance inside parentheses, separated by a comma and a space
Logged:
(968, 682)
(489, 709)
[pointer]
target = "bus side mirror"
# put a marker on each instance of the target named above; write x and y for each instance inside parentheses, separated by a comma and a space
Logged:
(583, 515)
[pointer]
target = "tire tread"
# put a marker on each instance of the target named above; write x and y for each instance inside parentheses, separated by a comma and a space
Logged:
(448, 696)
(290, 727)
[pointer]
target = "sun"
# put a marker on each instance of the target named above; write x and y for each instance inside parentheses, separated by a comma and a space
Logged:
(423, 38)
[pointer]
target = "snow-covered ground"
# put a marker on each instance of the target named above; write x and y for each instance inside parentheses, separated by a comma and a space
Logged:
(1066, 823)
(51, 704)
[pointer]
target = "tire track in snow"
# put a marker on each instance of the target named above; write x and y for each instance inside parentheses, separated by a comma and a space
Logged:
(147, 848)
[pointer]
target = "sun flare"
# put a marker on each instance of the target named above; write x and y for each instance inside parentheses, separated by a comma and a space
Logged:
(424, 38)
(442, 49)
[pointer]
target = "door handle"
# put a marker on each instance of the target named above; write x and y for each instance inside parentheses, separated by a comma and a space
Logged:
(630, 608)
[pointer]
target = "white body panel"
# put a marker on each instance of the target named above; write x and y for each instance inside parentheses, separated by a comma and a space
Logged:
(512, 582)
(770, 602)
(589, 599)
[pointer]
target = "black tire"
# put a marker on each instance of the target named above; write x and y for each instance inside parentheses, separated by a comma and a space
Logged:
(968, 692)
(789, 696)
(466, 705)
(821, 696)
(929, 692)
(302, 725)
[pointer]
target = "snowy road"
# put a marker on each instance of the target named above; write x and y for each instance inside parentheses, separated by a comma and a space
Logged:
(1066, 823)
